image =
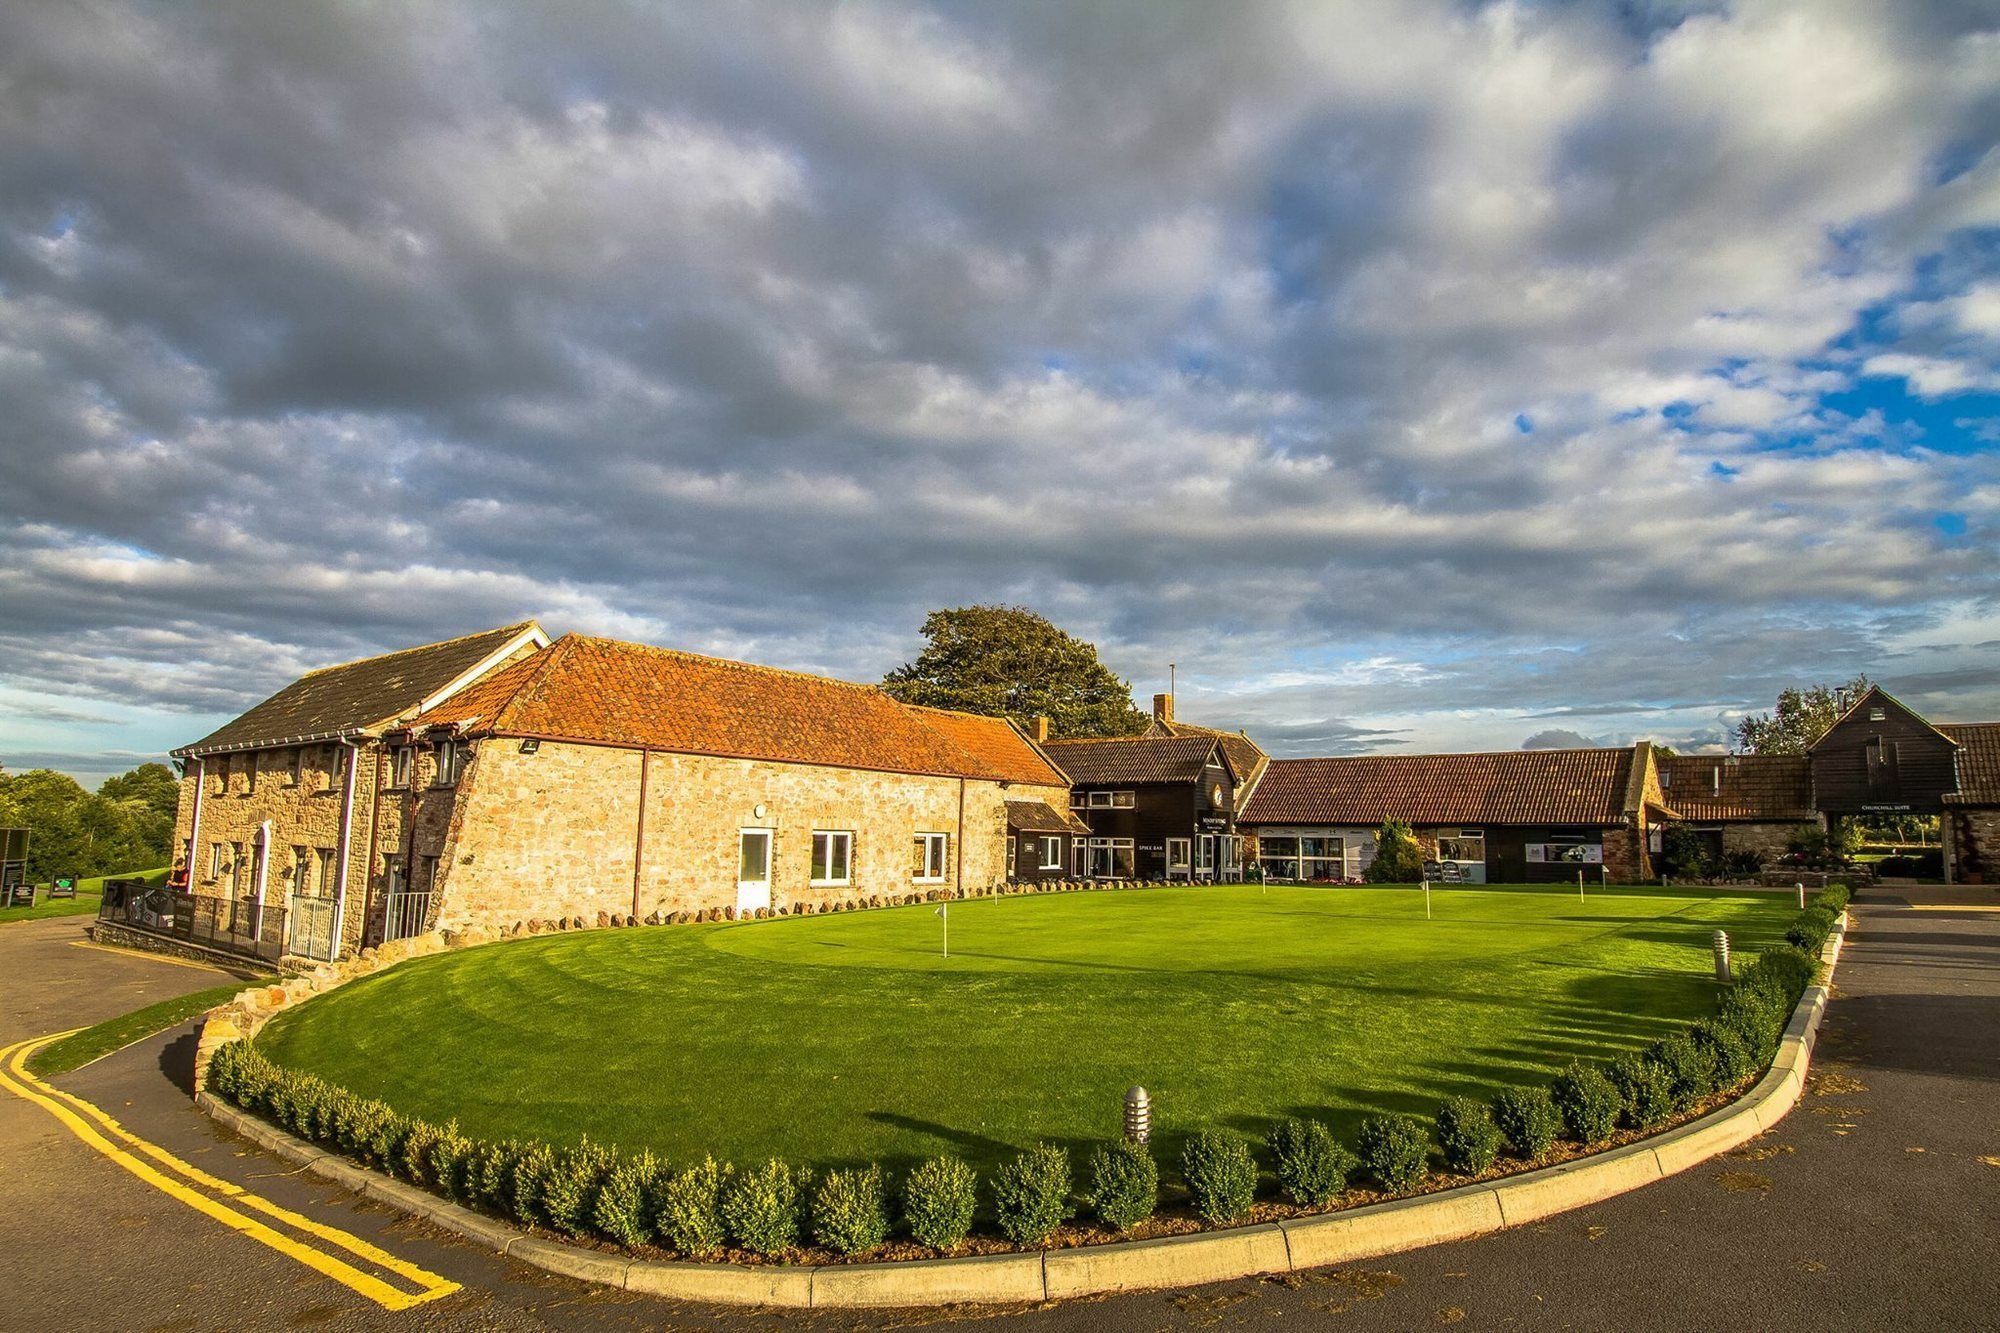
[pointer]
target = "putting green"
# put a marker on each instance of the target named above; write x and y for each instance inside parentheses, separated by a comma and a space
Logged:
(850, 1037)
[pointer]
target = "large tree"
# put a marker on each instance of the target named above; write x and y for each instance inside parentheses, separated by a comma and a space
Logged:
(1800, 717)
(126, 825)
(1006, 661)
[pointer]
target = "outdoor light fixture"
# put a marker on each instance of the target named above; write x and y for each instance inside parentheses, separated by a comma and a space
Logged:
(1722, 956)
(529, 747)
(1138, 1115)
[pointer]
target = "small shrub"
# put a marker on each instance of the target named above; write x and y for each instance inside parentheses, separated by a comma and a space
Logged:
(1467, 1136)
(451, 1163)
(687, 1207)
(1589, 1103)
(1644, 1090)
(1810, 928)
(1784, 972)
(569, 1199)
(534, 1167)
(623, 1212)
(760, 1207)
(850, 1214)
(490, 1176)
(1394, 1151)
(938, 1199)
(1124, 1186)
(1528, 1120)
(1311, 1165)
(1221, 1175)
(1031, 1194)
(1398, 857)
(1731, 1053)
(1689, 1066)
(413, 1163)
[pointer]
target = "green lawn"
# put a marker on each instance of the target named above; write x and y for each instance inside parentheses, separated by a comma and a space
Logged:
(847, 1037)
(89, 892)
(80, 1048)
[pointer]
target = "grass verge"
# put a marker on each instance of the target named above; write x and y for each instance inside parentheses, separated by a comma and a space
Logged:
(101, 1039)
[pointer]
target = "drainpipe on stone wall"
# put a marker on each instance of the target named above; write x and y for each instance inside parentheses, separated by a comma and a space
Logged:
(341, 863)
(194, 822)
(961, 837)
(374, 833)
(639, 837)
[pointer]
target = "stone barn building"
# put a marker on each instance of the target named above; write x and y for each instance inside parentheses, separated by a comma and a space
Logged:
(598, 776)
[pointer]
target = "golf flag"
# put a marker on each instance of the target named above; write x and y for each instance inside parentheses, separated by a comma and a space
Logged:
(947, 928)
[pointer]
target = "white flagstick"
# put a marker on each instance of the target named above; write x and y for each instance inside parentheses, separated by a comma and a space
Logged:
(946, 918)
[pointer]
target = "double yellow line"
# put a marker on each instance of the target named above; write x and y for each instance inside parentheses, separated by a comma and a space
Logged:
(199, 1190)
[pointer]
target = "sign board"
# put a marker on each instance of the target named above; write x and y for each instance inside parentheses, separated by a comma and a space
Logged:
(1454, 873)
(1433, 871)
(1572, 853)
(15, 891)
(1881, 809)
(63, 888)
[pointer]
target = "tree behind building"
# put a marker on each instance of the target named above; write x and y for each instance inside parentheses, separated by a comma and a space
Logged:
(1007, 661)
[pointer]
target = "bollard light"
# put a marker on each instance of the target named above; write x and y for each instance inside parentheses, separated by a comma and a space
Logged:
(1722, 956)
(1801, 887)
(1138, 1116)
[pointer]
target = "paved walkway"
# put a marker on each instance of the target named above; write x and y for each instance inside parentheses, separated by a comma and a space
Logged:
(1876, 1204)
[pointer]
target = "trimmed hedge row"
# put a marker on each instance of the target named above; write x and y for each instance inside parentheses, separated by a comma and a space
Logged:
(590, 1191)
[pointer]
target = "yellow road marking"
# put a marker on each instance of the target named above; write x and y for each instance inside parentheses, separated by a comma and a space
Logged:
(21, 1083)
(146, 957)
(1955, 907)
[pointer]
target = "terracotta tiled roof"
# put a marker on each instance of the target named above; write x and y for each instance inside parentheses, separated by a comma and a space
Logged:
(1978, 762)
(1720, 788)
(1584, 787)
(1246, 757)
(358, 696)
(627, 694)
(1133, 760)
(1041, 817)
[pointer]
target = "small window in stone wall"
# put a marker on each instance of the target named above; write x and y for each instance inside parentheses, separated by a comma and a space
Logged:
(832, 857)
(447, 764)
(928, 857)
(400, 764)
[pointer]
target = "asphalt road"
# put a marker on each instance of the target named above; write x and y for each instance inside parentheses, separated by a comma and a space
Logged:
(1876, 1203)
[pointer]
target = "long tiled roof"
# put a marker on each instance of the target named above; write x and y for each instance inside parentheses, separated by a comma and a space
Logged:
(605, 692)
(1722, 788)
(1133, 760)
(356, 696)
(1583, 787)
(1978, 762)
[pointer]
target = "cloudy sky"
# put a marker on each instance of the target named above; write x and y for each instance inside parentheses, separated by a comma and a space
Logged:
(1414, 375)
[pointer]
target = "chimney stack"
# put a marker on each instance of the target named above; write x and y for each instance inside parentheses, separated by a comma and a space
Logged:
(1163, 707)
(1040, 728)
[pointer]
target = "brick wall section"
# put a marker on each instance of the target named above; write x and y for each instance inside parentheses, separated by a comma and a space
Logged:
(555, 833)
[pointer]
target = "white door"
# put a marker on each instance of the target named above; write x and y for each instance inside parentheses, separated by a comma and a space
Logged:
(753, 870)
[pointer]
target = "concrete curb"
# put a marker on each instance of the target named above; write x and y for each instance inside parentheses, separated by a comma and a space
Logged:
(1091, 1270)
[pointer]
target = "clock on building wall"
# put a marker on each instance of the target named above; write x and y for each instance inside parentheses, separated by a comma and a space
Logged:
(1215, 794)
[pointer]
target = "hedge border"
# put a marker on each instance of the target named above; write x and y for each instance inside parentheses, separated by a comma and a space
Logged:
(1458, 1213)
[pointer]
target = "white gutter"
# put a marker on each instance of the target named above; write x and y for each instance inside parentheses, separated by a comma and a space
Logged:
(263, 874)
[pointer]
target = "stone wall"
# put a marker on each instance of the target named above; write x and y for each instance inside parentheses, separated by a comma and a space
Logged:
(1769, 841)
(558, 833)
(1971, 844)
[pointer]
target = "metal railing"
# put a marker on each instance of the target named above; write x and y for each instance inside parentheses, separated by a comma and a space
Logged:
(240, 927)
(404, 915)
(309, 928)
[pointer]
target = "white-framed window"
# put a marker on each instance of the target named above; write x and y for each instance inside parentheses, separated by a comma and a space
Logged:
(400, 761)
(1112, 800)
(1052, 857)
(928, 857)
(832, 857)
(1278, 854)
(1079, 857)
(1204, 854)
(448, 759)
(1322, 858)
(1179, 856)
(1464, 844)
(1079, 800)
(1110, 858)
